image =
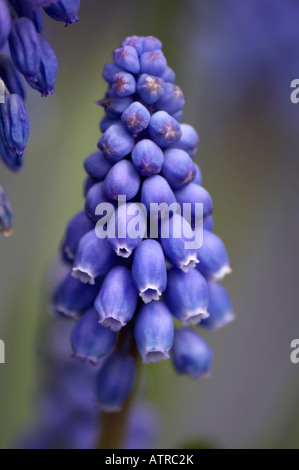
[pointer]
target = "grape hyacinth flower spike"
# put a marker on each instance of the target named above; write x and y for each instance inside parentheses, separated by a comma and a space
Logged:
(28, 54)
(138, 271)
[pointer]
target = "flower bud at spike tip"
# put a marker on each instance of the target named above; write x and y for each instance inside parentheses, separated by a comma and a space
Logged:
(147, 157)
(178, 168)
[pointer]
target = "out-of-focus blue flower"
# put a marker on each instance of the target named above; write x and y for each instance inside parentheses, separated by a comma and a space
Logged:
(6, 215)
(191, 354)
(154, 331)
(143, 427)
(5, 22)
(115, 381)
(90, 340)
(14, 124)
(64, 10)
(47, 70)
(21, 25)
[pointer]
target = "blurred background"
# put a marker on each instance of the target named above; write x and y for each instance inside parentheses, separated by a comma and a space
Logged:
(235, 61)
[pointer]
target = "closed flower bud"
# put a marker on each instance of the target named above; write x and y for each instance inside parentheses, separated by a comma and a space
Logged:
(149, 270)
(121, 180)
(136, 118)
(191, 354)
(178, 168)
(25, 47)
(168, 75)
(64, 10)
(126, 229)
(116, 143)
(97, 166)
(14, 124)
(78, 226)
(127, 58)
(164, 129)
(117, 300)
(173, 99)
(25, 8)
(90, 340)
(72, 297)
(187, 296)
(134, 41)
(5, 22)
(6, 215)
(88, 183)
(153, 63)
(213, 257)
(198, 175)
(175, 235)
(10, 76)
(48, 69)
(110, 70)
(124, 84)
(194, 194)
(150, 43)
(189, 140)
(107, 122)
(154, 332)
(178, 116)
(93, 259)
(147, 157)
(158, 197)
(94, 197)
(115, 105)
(149, 88)
(220, 308)
(115, 381)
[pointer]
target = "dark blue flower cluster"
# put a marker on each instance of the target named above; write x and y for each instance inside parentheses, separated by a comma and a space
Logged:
(24, 51)
(126, 288)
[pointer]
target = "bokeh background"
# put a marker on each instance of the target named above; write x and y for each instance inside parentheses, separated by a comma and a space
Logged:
(235, 60)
